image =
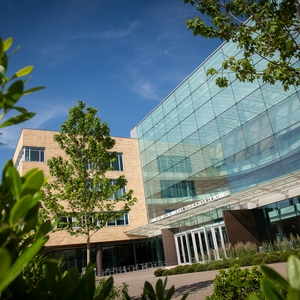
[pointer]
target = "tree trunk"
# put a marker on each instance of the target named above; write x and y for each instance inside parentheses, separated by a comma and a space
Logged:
(88, 250)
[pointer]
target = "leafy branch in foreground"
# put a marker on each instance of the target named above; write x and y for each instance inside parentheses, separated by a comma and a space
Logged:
(9, 95)
(266, 32)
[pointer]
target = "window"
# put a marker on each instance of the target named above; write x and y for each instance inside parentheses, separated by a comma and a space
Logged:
(121, 221)
(30, 154)
(118, 193)
(174, 164)
(117, 165)
(34, 154)
(174, 189)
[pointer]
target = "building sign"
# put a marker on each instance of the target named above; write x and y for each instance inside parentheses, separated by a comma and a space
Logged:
(191, 206)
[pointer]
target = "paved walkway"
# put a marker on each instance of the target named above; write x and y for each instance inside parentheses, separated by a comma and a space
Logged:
(198, 285)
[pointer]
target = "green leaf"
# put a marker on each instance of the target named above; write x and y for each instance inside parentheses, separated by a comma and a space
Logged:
(14, 93)
(7, 44)
(27, 92)
(44, 229)
(23, 72)
(34, 179)
(159, 288)
(252, 296)
(20, 264)
(170, 293)
(20, 209)
(272, 274)
(270, 290)
(293, 272)
(14, 182)
(5, 259)
(17, 119)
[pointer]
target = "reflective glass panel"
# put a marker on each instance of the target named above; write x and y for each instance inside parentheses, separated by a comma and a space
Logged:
(209, 133)
(223, 100)
(228, 121)
(201, 95)
(185, 108)
(257, 129)
(169, 104)
(182, 92)
(285, 113)
(251, 106)
(233, 142)
(204, 114)
(197, 78)
(188, 126)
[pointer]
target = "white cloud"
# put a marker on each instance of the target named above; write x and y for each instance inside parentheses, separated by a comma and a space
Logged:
(111, 34)
(44, 113)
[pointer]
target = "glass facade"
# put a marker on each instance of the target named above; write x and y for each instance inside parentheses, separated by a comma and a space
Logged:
(203, 140)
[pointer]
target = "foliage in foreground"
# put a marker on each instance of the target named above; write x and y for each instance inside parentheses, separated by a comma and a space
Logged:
(268, 42)
(237, 284)
(275, 287)
(10, 95)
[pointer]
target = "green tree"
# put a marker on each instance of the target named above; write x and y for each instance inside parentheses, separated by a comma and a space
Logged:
(80, 193)
(10, 95)
(267, 30)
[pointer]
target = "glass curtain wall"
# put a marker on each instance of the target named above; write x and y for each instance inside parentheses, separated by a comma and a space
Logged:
(203, 140)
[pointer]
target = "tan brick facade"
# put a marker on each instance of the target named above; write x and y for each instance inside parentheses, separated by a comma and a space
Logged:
(132, 172)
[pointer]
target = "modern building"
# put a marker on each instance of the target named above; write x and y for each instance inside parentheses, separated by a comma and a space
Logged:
(217, 166)
(220, 165)
(111, 246)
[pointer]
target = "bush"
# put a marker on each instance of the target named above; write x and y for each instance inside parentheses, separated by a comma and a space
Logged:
(115, 292)
(189, 269)
(246, 261)
(285, 255)
(270, 259)
(216, 265)
(165, 272)
(257, 261)
(158, 272)
(171, 271)
(233, 261)
(236, 283)
(259, 254)
(178, 270)
(274, 253)
(201, 267)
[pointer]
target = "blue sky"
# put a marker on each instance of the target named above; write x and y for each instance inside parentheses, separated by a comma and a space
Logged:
(121, 57)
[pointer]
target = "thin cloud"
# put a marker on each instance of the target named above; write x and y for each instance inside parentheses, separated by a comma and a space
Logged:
(108, 34)
(45, 113)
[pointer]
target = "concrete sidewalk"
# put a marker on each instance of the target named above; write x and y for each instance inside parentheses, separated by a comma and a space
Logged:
(198, 285)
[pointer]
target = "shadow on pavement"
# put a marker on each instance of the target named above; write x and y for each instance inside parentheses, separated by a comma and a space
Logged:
(192, 288)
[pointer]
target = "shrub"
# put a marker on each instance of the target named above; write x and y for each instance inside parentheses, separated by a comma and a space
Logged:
(171, 271)
(201, 267)
(165, 272)
(274, 253)
(243, 250)
(158, 272)
(259, 254)
(257, 260)
(115, 292)
(236, 283)
(285, 255)
(233, 261)
(270, 259)
(178, 270)
(216, 265)
(189, 269)
(246, 261)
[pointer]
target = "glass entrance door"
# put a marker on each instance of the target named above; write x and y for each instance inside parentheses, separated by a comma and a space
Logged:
(183, 248)
(203, 244)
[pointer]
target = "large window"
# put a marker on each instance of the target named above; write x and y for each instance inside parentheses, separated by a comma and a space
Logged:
(174, 189)
(118, 193)
(30, 154)
(66, 221)
(174, 164)
(34, 154)
(117, 165)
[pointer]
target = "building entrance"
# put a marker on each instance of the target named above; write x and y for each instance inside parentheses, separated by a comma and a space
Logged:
(201, 244)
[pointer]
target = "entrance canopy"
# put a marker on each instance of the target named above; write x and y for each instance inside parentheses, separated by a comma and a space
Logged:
(273, 191)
